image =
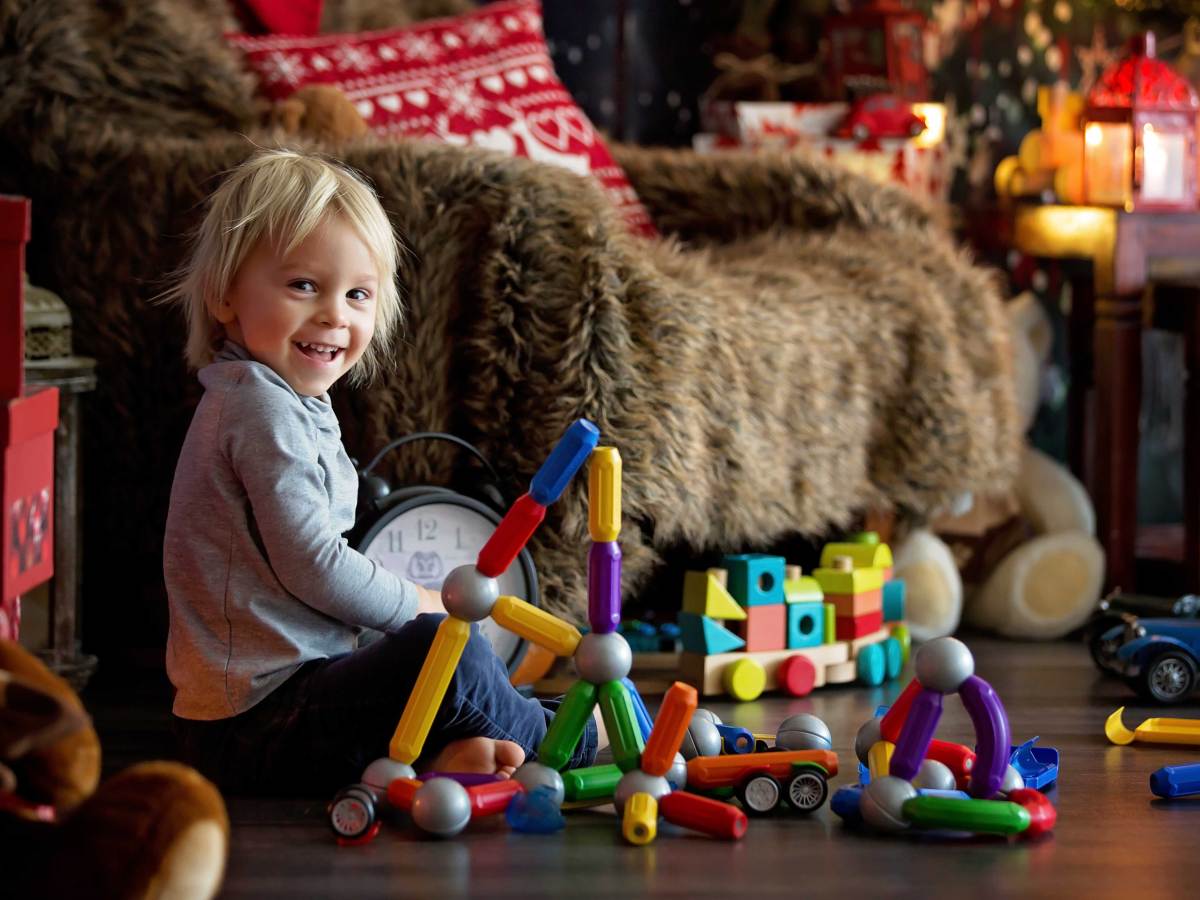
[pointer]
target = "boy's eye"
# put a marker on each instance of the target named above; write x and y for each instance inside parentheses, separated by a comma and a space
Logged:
(302, 284)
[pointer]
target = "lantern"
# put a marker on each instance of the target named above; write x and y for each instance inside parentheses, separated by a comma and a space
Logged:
(1139, 135)
(878, 48)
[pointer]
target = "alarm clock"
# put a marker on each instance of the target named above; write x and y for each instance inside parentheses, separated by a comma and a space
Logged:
(423, 532)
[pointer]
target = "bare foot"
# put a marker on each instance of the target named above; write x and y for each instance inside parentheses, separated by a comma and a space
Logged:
(601, 730)
(479, 754)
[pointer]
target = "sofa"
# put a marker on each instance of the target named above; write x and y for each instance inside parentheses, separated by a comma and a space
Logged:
(799, 346)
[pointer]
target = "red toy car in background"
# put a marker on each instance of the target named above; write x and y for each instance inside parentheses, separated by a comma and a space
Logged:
(880, 116)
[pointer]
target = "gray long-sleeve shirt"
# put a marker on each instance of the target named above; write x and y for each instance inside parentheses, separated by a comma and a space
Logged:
(259, 578)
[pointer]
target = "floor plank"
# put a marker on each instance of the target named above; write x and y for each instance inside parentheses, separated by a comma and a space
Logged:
(1112, 838)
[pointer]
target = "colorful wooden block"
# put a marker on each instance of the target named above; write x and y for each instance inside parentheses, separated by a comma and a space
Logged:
(755, 579)
(765, 627)
(854, 605)
(704, 595)
(805, 624)
(893, 600)
(852, 581)
(804, 589)
(849, 628)
(865, 556)
(830, 623)
(705, 636)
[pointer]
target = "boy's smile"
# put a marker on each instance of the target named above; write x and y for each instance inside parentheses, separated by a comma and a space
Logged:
(308, 314)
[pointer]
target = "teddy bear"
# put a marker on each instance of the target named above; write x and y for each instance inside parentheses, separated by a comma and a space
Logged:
(319, 111)
(154, 830)
(1023, 563)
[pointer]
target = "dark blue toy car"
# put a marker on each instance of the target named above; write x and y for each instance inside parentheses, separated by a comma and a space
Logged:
(1159, 658)
(1103, 639)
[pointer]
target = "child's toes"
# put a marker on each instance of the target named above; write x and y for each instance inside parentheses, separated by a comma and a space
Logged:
(509, 757)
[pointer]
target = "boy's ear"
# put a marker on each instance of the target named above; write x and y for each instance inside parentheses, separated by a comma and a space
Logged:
(222, 310)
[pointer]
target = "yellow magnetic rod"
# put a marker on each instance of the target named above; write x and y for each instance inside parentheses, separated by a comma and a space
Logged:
(604, 494)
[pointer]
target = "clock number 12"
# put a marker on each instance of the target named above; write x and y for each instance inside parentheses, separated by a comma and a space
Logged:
(427, 529)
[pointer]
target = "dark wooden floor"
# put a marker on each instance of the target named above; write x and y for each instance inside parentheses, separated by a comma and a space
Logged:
(1113, 838)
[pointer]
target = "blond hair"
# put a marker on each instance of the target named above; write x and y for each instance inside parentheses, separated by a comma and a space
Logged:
(282, 196)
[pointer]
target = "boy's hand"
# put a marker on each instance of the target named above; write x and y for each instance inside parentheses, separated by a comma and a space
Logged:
(429, 601)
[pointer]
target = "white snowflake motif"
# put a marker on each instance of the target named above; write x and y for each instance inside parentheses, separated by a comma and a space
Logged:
(462, 100)
(481, 32)
(287, 67)
(420, 47)
(353, 58)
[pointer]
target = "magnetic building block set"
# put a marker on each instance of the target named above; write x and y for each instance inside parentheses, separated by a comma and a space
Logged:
(686, 766)
(793, 632)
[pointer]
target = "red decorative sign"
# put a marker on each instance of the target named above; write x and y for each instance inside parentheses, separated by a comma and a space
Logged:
(27, 423)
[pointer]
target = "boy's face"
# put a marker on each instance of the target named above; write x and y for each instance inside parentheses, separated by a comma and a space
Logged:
(309, 314)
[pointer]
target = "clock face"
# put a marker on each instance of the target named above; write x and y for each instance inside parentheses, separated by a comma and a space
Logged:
(424, 541)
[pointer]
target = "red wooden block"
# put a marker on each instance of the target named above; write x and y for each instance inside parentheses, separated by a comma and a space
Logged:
(850, 627)
(765, 627)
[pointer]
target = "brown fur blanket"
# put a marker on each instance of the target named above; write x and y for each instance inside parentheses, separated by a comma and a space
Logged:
(803, 345)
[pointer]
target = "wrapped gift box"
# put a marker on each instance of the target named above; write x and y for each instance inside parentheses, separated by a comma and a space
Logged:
(921, 163)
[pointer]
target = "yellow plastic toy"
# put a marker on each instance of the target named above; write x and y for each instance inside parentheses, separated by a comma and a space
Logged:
(1184, 732)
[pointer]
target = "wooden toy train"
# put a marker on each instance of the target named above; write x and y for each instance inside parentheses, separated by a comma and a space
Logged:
(792, 632)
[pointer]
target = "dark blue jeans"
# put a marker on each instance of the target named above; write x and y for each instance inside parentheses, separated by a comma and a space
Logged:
(318, 730)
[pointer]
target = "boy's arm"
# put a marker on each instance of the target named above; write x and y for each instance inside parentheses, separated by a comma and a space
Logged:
(270, 444)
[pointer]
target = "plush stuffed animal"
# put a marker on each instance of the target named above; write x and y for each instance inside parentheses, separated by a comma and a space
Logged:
(155, 830)
(1030, 562)
(319, 111)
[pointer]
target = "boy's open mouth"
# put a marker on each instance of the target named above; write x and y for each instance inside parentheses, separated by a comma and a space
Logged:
(320, 352)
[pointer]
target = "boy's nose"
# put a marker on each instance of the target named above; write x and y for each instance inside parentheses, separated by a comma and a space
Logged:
(332, 312)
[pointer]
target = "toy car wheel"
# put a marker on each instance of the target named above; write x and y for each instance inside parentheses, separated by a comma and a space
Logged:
(760, 794)
(860, 132)
(916, 128)
(807, 791)
(1168, 678)
(352, 812)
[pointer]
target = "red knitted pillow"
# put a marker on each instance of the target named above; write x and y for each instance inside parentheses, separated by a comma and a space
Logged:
(279, 16)
(482, 78)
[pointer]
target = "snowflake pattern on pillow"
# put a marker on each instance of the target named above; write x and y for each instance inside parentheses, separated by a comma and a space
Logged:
(484, 78)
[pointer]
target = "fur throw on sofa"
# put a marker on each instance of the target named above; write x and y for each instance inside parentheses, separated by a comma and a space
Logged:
(803, 345)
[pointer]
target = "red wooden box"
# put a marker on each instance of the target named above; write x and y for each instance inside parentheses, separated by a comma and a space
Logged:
(27, 423)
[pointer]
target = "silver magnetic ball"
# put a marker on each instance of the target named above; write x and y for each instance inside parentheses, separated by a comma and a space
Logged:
(601, 658)
(636, 782)
(384, 771)
(936, 776)
(803, 732)
(702, 738)
(1012, 781)
(535, 775)
(868, 736)
(710, 715)
(677, 774)
(883, 801)
(468, 594)
(441, 806)
(944, 664)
